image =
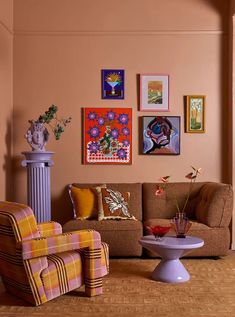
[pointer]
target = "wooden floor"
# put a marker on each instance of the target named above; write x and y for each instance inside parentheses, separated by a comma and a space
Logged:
(130, 291)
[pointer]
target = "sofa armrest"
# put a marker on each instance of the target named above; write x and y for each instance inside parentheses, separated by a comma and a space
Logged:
(75, 240)
(215, 205)
(49, 228)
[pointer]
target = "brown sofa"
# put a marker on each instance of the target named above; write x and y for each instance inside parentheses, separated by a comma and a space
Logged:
(209, 208)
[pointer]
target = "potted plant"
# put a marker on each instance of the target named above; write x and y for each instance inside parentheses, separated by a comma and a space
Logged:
(38, 135)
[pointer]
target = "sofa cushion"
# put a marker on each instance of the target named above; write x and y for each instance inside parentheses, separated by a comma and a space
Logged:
(196, 226)
(108, 225)
(163, 206)
(122, 236)
(135, 189)
(212, 245)
(215, 204)
(113, 204)
(85, 201)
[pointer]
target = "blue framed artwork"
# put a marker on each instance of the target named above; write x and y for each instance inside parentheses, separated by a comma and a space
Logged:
(161, 135)
(113, 83)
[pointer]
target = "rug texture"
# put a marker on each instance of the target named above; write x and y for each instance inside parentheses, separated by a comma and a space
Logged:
(129, 291)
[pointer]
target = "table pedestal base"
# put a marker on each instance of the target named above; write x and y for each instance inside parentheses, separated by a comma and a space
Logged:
(170, 271)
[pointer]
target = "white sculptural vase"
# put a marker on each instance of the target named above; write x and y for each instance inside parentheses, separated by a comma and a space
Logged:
(37, 136)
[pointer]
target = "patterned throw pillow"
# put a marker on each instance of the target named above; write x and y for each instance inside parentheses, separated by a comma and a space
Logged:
(113, 205)
(85, 201)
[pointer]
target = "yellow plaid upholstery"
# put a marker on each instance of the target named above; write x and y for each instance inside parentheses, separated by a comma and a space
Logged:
(47, 229)
(38, 263)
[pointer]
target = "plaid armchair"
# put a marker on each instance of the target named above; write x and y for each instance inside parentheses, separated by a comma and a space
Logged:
(39, 263)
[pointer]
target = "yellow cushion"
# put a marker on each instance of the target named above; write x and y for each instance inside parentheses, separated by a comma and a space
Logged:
(84, 202)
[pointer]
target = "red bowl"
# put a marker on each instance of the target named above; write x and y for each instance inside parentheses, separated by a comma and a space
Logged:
(158, 231)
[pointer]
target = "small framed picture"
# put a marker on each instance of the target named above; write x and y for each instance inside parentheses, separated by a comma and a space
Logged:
(195, 114)
(154, 92)
(113, 81)
(161, 135)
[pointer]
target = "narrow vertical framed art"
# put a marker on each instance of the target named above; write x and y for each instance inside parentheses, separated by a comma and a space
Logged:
(154, 92)
(107, 136)
(195, 114)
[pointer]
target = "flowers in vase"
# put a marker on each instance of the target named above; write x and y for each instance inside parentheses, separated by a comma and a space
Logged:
(192, 176)
(180, 222)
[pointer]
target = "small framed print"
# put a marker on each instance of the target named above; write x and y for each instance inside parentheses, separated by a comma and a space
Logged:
(154, 92)
(161, 135)
(195, 114)
(113, 81)
(107, 135)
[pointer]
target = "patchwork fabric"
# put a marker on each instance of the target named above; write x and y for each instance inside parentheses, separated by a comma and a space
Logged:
(22, 219)
(114, 205)
(14, 271)
(44, 246)
(105, 258)
(32, 260)
(47, 229)
(63, 274)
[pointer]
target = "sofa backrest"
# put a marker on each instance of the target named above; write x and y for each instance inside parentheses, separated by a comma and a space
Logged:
(163, 206)
(135, 189)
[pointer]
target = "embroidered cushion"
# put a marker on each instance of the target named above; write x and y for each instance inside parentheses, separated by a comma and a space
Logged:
(113, 204)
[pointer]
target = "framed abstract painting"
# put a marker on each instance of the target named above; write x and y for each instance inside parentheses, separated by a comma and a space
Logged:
(195, 114)
(154, 92)
(161, 135)
(107, 135)
(113, 83)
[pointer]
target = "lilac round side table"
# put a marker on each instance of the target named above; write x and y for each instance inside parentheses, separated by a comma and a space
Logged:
(171, 249)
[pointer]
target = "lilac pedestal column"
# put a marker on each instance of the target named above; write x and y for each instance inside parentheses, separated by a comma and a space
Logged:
(38, 165)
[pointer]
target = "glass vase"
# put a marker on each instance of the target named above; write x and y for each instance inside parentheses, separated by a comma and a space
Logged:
(181, 224)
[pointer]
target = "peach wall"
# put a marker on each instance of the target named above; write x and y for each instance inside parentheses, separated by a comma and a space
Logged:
(61, 46)
(6, 102)
(231, 21)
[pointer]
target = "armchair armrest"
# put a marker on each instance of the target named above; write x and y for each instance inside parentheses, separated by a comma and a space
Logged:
(88, 239)
(75, 240)
(49, 228)
(215, 205)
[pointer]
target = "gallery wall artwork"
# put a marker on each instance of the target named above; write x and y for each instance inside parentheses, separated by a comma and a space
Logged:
(107, 135)
(113, 81)
(161, 135)
(195, 114)
(154, 92)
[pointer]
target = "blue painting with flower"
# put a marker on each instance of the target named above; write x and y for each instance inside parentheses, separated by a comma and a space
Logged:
(113, 84)
(107, 135)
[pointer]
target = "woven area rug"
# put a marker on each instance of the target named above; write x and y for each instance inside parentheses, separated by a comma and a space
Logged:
(129, 291)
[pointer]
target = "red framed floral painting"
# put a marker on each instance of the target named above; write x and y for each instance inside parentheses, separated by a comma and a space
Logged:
(107, 135)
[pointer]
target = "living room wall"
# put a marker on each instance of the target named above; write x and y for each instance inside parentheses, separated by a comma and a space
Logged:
(60, 48)
(6, 101)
